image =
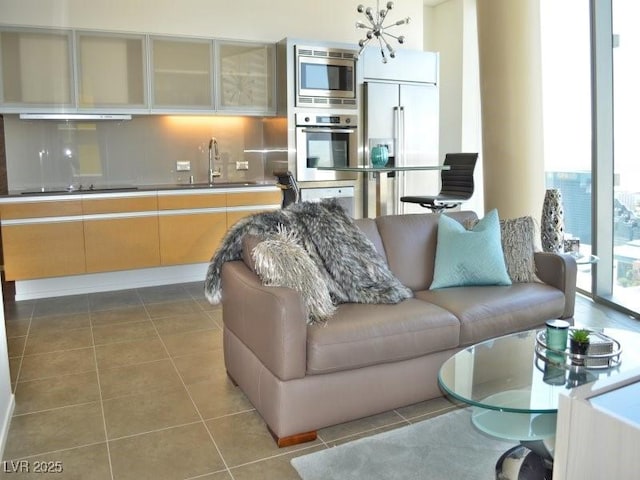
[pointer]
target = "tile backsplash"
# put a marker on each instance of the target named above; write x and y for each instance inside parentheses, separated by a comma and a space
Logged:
(139, 152)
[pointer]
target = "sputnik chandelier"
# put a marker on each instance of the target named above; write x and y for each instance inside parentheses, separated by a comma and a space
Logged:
(376, 29)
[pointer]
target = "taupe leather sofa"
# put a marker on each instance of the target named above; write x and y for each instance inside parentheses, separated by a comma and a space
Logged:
(372, 358)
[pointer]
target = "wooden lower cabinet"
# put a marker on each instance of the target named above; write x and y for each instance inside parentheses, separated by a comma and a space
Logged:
(234, 215)
(190, 237)
(39, 250)
(241, 205)
(254, 198)
(121, 243)
(63, 236)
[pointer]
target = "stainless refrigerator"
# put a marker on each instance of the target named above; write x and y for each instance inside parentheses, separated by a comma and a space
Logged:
(404, 117)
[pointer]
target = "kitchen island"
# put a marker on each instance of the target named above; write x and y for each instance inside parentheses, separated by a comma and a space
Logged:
(84, 241)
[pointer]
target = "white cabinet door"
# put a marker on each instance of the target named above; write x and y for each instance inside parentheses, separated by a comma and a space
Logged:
(36, 69)
(245, 74)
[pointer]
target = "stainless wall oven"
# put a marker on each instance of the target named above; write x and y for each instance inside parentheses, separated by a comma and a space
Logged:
(325, 77)
(325, 140)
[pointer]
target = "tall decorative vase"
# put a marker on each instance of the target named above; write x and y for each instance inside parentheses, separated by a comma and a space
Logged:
(552, 223)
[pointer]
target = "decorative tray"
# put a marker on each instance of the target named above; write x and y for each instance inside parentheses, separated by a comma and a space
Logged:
(604, 352)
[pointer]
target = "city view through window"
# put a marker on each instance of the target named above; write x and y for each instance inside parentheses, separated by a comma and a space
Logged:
(567, 137)
(626, 103)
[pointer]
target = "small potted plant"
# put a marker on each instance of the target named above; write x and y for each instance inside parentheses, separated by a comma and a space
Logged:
(579, 343)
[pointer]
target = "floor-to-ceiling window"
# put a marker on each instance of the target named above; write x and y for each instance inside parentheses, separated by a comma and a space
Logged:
(589, 59)
(566, 86)
(625, 15)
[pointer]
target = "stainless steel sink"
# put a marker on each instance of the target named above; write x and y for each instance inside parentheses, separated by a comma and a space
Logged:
(219, 184)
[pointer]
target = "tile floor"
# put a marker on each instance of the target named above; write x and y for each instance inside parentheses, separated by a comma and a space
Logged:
(132, 385)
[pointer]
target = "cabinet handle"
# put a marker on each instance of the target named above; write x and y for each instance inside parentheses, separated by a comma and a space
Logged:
(328, 130)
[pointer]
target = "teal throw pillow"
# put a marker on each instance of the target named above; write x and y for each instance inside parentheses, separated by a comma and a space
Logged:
(469, 257)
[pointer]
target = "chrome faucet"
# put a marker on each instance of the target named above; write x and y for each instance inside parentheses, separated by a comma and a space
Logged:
(214, 154)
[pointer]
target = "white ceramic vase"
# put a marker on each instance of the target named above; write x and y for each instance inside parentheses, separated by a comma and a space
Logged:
(552, 222)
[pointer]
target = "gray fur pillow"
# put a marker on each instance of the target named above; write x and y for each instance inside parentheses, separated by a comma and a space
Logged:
(281, 262)
(518, 245)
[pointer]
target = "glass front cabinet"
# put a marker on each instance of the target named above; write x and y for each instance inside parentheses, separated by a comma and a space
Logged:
(49, 70)
(111, 71)
(245, 76)
(37, 69)
(181, 73)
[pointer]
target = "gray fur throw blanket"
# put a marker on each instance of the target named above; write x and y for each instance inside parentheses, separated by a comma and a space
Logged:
(348, 261)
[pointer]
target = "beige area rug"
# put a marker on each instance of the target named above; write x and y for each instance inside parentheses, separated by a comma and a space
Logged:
(447, 447)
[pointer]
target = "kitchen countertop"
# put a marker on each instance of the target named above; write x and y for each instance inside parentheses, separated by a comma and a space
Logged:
(61, 191)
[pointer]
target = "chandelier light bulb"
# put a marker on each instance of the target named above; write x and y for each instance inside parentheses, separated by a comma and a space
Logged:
(374, 25)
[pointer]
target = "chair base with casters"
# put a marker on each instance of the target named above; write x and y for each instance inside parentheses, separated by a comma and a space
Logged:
(435, 204)
(457, 184)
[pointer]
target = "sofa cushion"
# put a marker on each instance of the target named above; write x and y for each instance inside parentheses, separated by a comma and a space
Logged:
(469, 257)
(490, 311)
(360, 335)
(410, 245)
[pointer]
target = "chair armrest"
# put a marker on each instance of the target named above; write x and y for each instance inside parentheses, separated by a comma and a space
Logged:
(270, 321)
(560, 272)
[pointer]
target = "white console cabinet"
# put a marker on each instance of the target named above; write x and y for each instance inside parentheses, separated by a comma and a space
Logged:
(598, 430)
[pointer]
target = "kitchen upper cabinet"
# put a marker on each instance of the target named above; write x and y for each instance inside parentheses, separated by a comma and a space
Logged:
(245, 77)
(67, 71)
(36, 69)
(111, 71)
(181, 74)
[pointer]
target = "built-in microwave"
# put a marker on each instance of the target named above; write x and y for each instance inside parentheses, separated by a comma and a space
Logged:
(325, 77)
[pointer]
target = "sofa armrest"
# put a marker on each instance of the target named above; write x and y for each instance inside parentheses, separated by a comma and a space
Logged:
(270, 321)
(559, 271)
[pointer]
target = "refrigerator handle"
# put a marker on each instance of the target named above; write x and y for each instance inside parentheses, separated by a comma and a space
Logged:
(396, 122)
(401, 138)
(400, 185)
(397, 132)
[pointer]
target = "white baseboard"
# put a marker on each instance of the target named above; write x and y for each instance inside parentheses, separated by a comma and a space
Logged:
(109, 281)
(5, 422)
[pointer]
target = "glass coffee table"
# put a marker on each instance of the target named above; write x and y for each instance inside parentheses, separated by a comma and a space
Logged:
(514, 393)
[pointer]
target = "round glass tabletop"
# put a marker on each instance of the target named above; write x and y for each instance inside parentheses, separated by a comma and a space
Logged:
(505, 374)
